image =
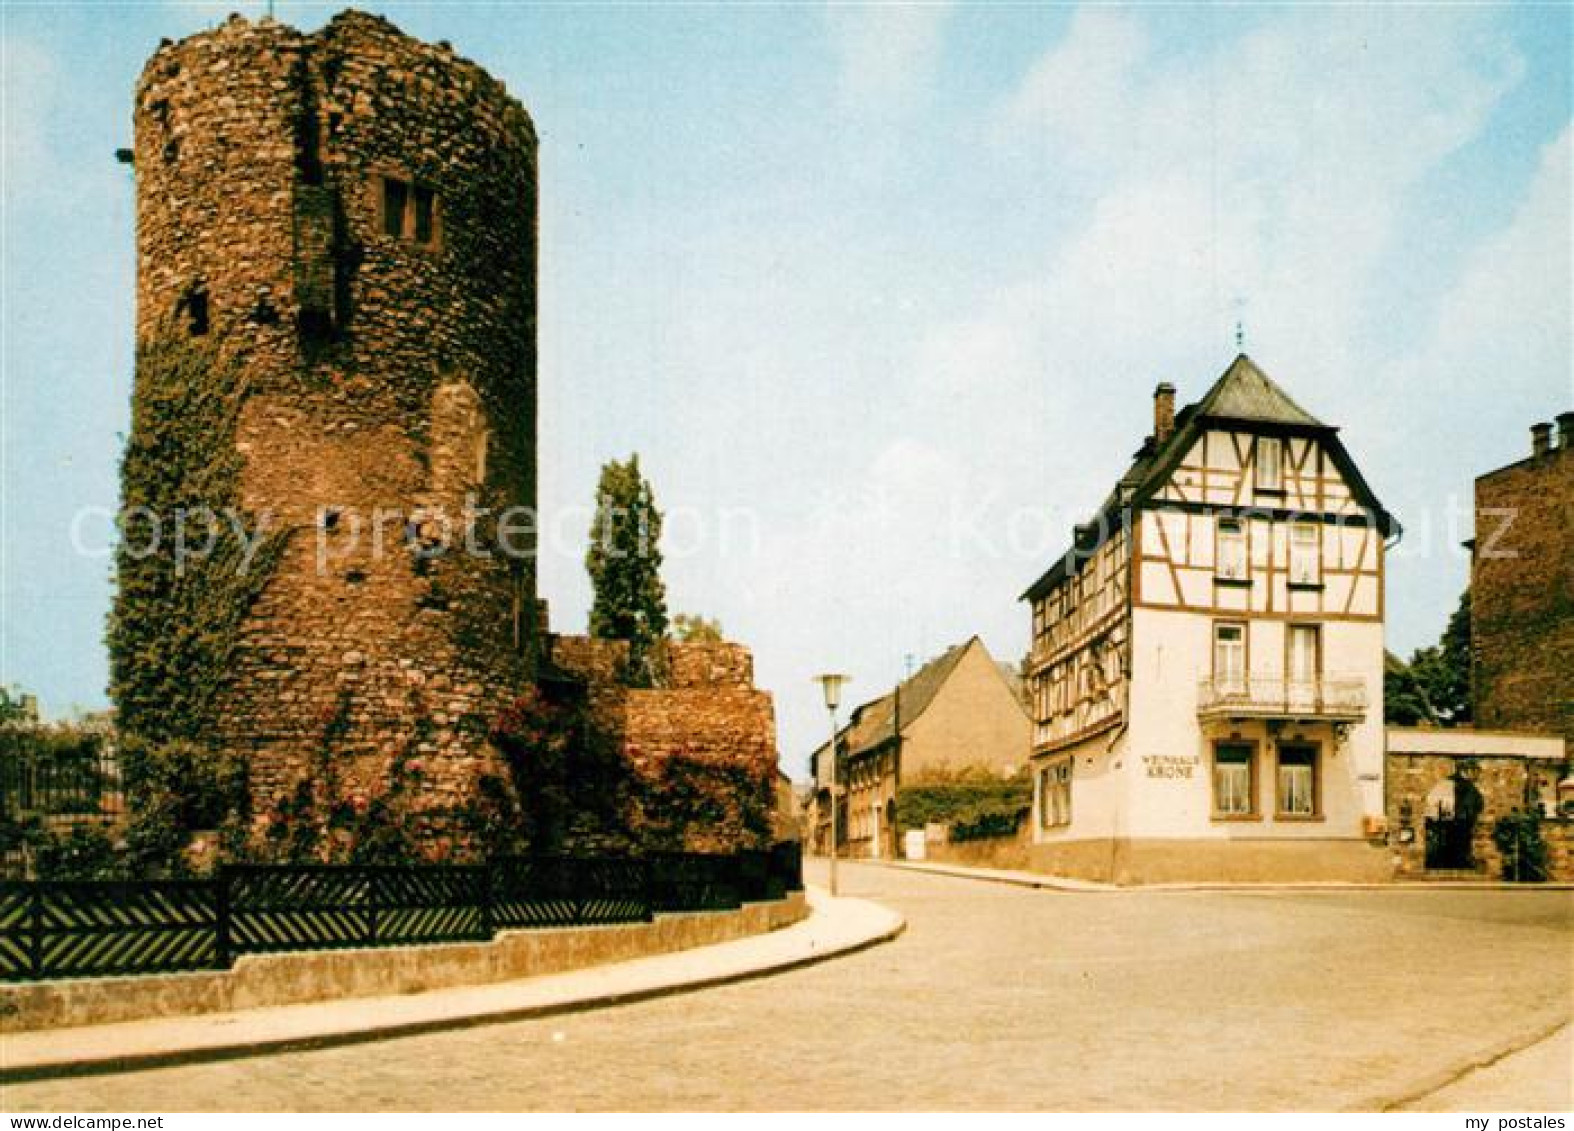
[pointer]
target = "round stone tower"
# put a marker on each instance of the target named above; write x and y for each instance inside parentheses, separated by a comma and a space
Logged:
(348, 218)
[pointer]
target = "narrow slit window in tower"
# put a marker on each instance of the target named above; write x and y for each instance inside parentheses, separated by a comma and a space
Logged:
(193, 307)
(423, 214)
(395, 194)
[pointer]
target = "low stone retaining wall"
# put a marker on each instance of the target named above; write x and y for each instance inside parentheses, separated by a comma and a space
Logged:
(260, 980)
(1014, 851)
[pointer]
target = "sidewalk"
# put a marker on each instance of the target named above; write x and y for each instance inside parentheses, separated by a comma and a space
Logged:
(1065, 883)
(1535, 1077)
(834, 927)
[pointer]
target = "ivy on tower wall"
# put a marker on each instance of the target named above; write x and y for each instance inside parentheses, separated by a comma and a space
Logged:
(190, 562)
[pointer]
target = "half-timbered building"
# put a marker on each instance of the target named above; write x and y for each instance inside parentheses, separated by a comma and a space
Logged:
(1206, 666)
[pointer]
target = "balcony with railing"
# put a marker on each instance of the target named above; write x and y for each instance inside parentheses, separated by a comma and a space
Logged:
(1337, 699)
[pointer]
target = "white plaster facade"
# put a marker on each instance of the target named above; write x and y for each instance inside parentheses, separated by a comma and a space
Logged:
(1208, 658)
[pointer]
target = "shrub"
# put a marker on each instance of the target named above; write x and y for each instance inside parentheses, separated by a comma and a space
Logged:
(174, 789)
(55, 769)
(986, 822)
(1518, 837)
(544, 740)
(965, 797)
(697, 804)
(376, 819)
(83, 852)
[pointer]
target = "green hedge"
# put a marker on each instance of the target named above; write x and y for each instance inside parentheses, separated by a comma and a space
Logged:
(975, 806)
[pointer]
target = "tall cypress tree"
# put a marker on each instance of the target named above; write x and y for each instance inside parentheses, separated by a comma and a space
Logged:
(624, 561)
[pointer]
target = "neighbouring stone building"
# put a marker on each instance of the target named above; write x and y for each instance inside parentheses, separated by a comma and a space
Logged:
(1447, 788)
(1522, 588)
(347, 219)
(1207, 661)
(957, 714)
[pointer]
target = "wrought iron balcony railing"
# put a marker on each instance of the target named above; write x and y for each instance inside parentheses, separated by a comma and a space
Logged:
(1274, 696)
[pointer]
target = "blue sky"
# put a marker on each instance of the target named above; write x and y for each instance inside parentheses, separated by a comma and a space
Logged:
(880, 293)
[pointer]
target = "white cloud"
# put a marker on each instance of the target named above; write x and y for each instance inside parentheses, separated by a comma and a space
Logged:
(1081, 91)
(1511, 313)
(1499, 354)
(1277, 169)
(887, 53)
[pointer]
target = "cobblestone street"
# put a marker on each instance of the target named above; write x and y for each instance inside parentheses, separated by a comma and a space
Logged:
(999, 997)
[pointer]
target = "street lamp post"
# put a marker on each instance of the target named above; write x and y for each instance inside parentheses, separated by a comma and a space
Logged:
(831, 684)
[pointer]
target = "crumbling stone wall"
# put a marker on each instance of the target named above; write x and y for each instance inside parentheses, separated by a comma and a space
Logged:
(1522, 593)
(350, 214)
(1559, 835)
(708, 664)
(709, 719)
(1504, 784)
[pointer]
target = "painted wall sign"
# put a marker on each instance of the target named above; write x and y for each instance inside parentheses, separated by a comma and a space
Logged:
(1169, 765)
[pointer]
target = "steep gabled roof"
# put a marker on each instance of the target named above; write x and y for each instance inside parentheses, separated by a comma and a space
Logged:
(1243, 395)
(875, 721)
(1245, 392)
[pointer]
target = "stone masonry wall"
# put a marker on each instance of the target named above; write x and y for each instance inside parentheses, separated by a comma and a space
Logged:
(709, 715)
(1503, 784)
(1559, 835)
(390, 364)
(708, 665)
(1522, 595)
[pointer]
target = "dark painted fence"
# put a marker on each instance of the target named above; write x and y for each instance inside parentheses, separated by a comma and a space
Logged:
(89, 928)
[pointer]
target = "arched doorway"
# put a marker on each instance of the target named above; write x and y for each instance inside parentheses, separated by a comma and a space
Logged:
(1452, 808)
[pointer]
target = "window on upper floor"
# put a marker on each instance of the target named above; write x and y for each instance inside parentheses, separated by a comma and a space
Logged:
(1303, 655)
(1306, 551)
(1230, 552)
(1229, 656)
(425, 204)
(409, 211)
(396, 195)
(1270, 464)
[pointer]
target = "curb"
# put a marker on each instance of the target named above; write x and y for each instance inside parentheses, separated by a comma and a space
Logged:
(109, 1065)
(1090, 887)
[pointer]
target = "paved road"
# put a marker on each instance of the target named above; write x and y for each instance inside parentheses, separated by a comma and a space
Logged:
(1505, 1084)
(1001, 998)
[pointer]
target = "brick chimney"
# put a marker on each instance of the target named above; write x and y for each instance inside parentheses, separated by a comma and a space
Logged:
(1565, 431)
(1163, 412)
(1540, 440)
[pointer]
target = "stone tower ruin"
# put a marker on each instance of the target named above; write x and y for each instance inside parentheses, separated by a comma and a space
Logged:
(348, 217)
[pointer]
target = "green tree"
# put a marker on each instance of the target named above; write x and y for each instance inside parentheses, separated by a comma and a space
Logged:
(1443, 670)
(624, 561)
(12, 708)
(695, 629)
(1404, 700)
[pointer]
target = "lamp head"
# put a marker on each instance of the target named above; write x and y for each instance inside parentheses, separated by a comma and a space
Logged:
(831, 684)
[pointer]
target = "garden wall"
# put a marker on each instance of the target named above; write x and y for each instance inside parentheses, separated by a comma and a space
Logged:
(261, 980)
(989, 852)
